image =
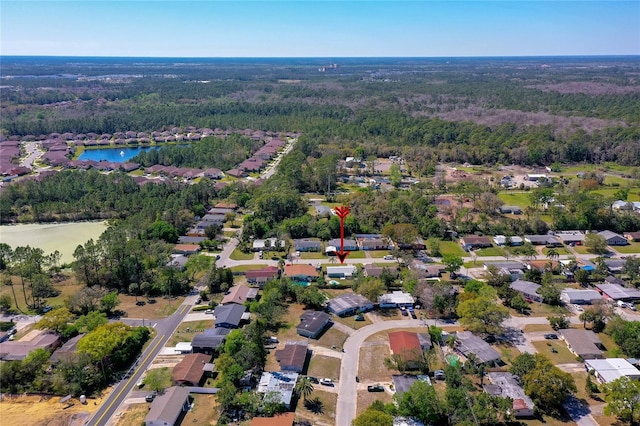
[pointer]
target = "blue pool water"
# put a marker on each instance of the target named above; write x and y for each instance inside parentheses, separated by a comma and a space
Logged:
(114, 155)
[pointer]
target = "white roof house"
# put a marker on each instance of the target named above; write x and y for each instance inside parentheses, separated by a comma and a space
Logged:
(281, 383)
(395, 299)
(501, 240)
(343, 271)
(610, 369)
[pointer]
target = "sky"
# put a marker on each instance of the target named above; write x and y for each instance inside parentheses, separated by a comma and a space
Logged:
(319, 28)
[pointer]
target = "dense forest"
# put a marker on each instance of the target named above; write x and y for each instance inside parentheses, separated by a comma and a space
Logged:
(494, 110)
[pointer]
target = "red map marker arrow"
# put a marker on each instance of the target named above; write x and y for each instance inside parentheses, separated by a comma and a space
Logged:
(342, 212)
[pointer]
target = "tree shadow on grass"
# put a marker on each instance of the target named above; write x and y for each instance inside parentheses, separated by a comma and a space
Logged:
(314, 405)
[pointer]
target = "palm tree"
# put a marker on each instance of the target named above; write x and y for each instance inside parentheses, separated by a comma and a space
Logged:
(553, 254)
(304, 388)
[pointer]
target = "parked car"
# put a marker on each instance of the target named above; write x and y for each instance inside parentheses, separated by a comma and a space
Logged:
(375, 388)
(314, 380)
(359, 317)
(209, 311)
(404, 312)
(551, 336)
(150, 397)
(357, 379)
(439, 375)
(47, 309)
(327, 382)
(388, 257)
(413, 314)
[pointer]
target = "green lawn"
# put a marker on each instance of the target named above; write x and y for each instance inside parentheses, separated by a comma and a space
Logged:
(164, 376)
(634, 193)
(559, 250)
(520, 199)
(188, 329)
(378, 254)
(490, 251)
(612, 180)
(563, 355)
(239, 255)
(358, 254)
(452, 247)
(244, 268)
(631, 248)
(581, 250)
(311, 255)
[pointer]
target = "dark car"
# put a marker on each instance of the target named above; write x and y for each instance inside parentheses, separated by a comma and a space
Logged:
(357, 379)
(551, 336)
(375, 388)
(150, 397)
(314, 380)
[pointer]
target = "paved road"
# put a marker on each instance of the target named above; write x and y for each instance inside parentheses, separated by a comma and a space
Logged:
(269, 171)
(165, 329)
(347, 385)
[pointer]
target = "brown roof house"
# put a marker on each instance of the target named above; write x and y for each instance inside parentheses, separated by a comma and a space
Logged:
(472, 242)
(261, 276)
(293, 357)
(37, 339)
(168, 409)
(301, 272)
(239, 294)
(191, 371)
(409, 346)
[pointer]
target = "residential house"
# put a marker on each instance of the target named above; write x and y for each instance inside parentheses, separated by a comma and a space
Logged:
(37, 339)
(177, 261)
(261, 276)
(609, 369)
(571, 237)
(305, 245)
(67, 351)
(184, 239)
(502, 241)
(167, 408)
(571, 296)
(342, 271)
(507, 385)
(582, 343)
(213, 173)
(613, 239)
(349, 303)
(473, 347)
(615, 266)
(473, 242)
(371, 242)
(294, 356)
(626, 205)
(371, 270)
(403, 382)
(209, 341)
(396, 299)
(423, 270)
(618, 292)
(239, 294)
(280, 384)
(186, 249)
(282, 419)
(510, 210)
(349, 244)
(409, 346)
(192, 370)
(301, 273)
(632, 236)
(528, 290)
(313, 323)
(543, 240)
(229, 316)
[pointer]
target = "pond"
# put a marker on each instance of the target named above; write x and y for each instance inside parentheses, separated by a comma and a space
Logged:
(64, 237)
(114, 155)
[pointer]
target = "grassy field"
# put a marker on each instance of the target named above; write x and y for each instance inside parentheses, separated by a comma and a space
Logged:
(237, 254)
(312, 255)
(332, 338)
(244, 268)
(563, 355)
(490, 251)
(165, 377)
(631, 248)
(541, 310)
(453, 248)
(529, 328)
(634, 193)
(161, 308)
(559, 250)
(186, 331)
(322, 412)
(324, 366)
(520, 199)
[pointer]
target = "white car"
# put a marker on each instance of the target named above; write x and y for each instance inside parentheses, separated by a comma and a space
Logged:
(388, 257)
(326, 382)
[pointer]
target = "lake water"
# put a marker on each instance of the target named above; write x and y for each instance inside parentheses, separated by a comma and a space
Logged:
(64, 237)
(114, 155)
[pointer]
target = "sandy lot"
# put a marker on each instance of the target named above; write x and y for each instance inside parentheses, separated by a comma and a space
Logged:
(46, 411)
